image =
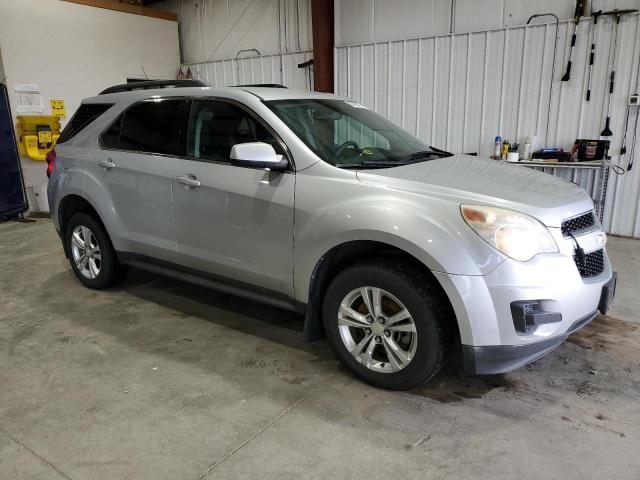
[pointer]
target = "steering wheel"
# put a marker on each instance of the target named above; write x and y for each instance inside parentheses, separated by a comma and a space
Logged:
(343, 146)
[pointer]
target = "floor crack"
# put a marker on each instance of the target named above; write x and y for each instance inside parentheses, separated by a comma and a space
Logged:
(265, 427)
(35, 454)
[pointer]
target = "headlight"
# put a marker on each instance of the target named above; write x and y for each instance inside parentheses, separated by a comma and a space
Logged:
(515, 234)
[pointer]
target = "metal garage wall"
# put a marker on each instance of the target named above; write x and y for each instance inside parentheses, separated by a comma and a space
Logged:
(282, 69)
(217, 29)
(458, 91)
(365, 21)
(236, 42)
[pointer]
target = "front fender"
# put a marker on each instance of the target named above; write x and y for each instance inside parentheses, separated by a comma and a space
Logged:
(429, 229)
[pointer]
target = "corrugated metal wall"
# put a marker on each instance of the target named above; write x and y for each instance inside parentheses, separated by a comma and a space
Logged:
(217, 29)
(364, 21)
(218, 38)
(458, 91)
(282, 69)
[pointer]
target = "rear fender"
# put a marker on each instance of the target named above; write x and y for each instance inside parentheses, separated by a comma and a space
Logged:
(67, 177)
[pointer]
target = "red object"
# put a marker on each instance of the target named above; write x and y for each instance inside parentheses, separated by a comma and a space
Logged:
(322, 28)
(51, 160)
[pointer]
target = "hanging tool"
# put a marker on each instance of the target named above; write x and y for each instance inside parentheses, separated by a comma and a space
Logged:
(308, 65)
(633, 144)
(634, 101)
(579, 11)
(606, 132)
(592, 55)
(623, 148)
(553, 65)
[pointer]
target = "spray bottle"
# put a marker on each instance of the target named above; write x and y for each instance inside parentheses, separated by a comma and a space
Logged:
(526, 154)
(497, 149)
(505, 149)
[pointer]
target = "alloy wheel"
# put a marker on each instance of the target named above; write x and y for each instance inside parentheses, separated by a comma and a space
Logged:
(86, 252)
(377, 329)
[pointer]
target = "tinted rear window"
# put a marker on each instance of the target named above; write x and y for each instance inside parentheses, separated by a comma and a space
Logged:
(152, 126)
(86, 114)
(111, 138)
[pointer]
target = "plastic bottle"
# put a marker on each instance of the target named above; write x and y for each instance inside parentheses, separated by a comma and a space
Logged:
(505, 149)
(497, 149)
(526, 152)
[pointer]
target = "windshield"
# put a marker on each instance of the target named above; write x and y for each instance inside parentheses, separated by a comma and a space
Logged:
(348, 135)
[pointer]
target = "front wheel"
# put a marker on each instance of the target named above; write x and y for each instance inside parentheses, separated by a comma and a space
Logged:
(388, 323)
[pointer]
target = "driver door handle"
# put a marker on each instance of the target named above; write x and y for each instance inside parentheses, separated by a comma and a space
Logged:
(108, 164)
(189, 181)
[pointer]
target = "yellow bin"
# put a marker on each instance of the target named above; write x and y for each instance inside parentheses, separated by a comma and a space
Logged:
(37, 135)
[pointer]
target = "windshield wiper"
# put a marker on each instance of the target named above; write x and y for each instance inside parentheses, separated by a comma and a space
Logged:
(371, 164)
(416, 157)
(431, 153)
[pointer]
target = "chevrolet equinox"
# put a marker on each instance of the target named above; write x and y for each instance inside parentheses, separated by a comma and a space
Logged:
(393, 249)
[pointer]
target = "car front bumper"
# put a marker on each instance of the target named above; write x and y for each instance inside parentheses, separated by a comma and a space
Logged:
(491, 342)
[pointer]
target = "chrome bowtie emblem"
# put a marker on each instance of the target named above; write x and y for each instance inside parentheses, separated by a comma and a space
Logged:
(602, 239)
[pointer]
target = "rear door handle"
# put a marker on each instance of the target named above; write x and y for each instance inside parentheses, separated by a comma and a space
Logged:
(189, 181)
(108, 164)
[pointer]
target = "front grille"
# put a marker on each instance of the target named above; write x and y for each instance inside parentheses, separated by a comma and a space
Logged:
(578, 224)
(593, 264)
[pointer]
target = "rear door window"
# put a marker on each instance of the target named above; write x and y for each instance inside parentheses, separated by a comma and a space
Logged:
(111, 137)
(152, 126)
(215, 127)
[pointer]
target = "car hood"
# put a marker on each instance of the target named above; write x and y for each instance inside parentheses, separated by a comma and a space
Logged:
(468, 179)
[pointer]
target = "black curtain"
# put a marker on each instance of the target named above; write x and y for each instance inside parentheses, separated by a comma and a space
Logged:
(13, 201)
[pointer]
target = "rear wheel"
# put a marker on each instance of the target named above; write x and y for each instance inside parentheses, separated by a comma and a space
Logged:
(388, 323)
(91, 254)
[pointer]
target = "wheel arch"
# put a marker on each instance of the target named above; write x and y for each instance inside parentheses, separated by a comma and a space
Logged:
(69, 206)
(342, 256)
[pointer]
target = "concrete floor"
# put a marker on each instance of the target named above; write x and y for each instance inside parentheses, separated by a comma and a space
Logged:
(158, 379)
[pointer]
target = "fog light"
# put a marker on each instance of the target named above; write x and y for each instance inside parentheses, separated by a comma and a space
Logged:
(528, 315)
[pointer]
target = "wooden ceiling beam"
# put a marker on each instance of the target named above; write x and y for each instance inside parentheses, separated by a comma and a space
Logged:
(127, 8)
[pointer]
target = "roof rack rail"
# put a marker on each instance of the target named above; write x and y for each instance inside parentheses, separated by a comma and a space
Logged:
(262, 85)
(146, 85)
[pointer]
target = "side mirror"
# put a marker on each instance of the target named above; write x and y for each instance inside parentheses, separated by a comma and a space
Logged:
(257, 155)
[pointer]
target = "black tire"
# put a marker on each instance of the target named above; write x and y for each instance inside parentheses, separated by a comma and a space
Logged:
(427, 304)
(110, 271)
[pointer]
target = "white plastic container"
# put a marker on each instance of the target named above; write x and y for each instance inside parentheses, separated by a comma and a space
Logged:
(526, 151)
(42, 202)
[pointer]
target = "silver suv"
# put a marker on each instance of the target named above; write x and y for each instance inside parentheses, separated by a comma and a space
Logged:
(394, 250)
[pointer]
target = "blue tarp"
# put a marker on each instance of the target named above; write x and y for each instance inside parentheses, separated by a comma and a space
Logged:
(12, 194)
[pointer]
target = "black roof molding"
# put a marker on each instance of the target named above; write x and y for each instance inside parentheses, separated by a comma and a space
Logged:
(262, 85)
(150, 84)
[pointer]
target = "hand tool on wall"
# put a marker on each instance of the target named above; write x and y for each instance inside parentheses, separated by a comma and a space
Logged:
(553, 66)
(606, 132)
(623, 148)
(633, 102)
(592, 55)
(579, 11)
